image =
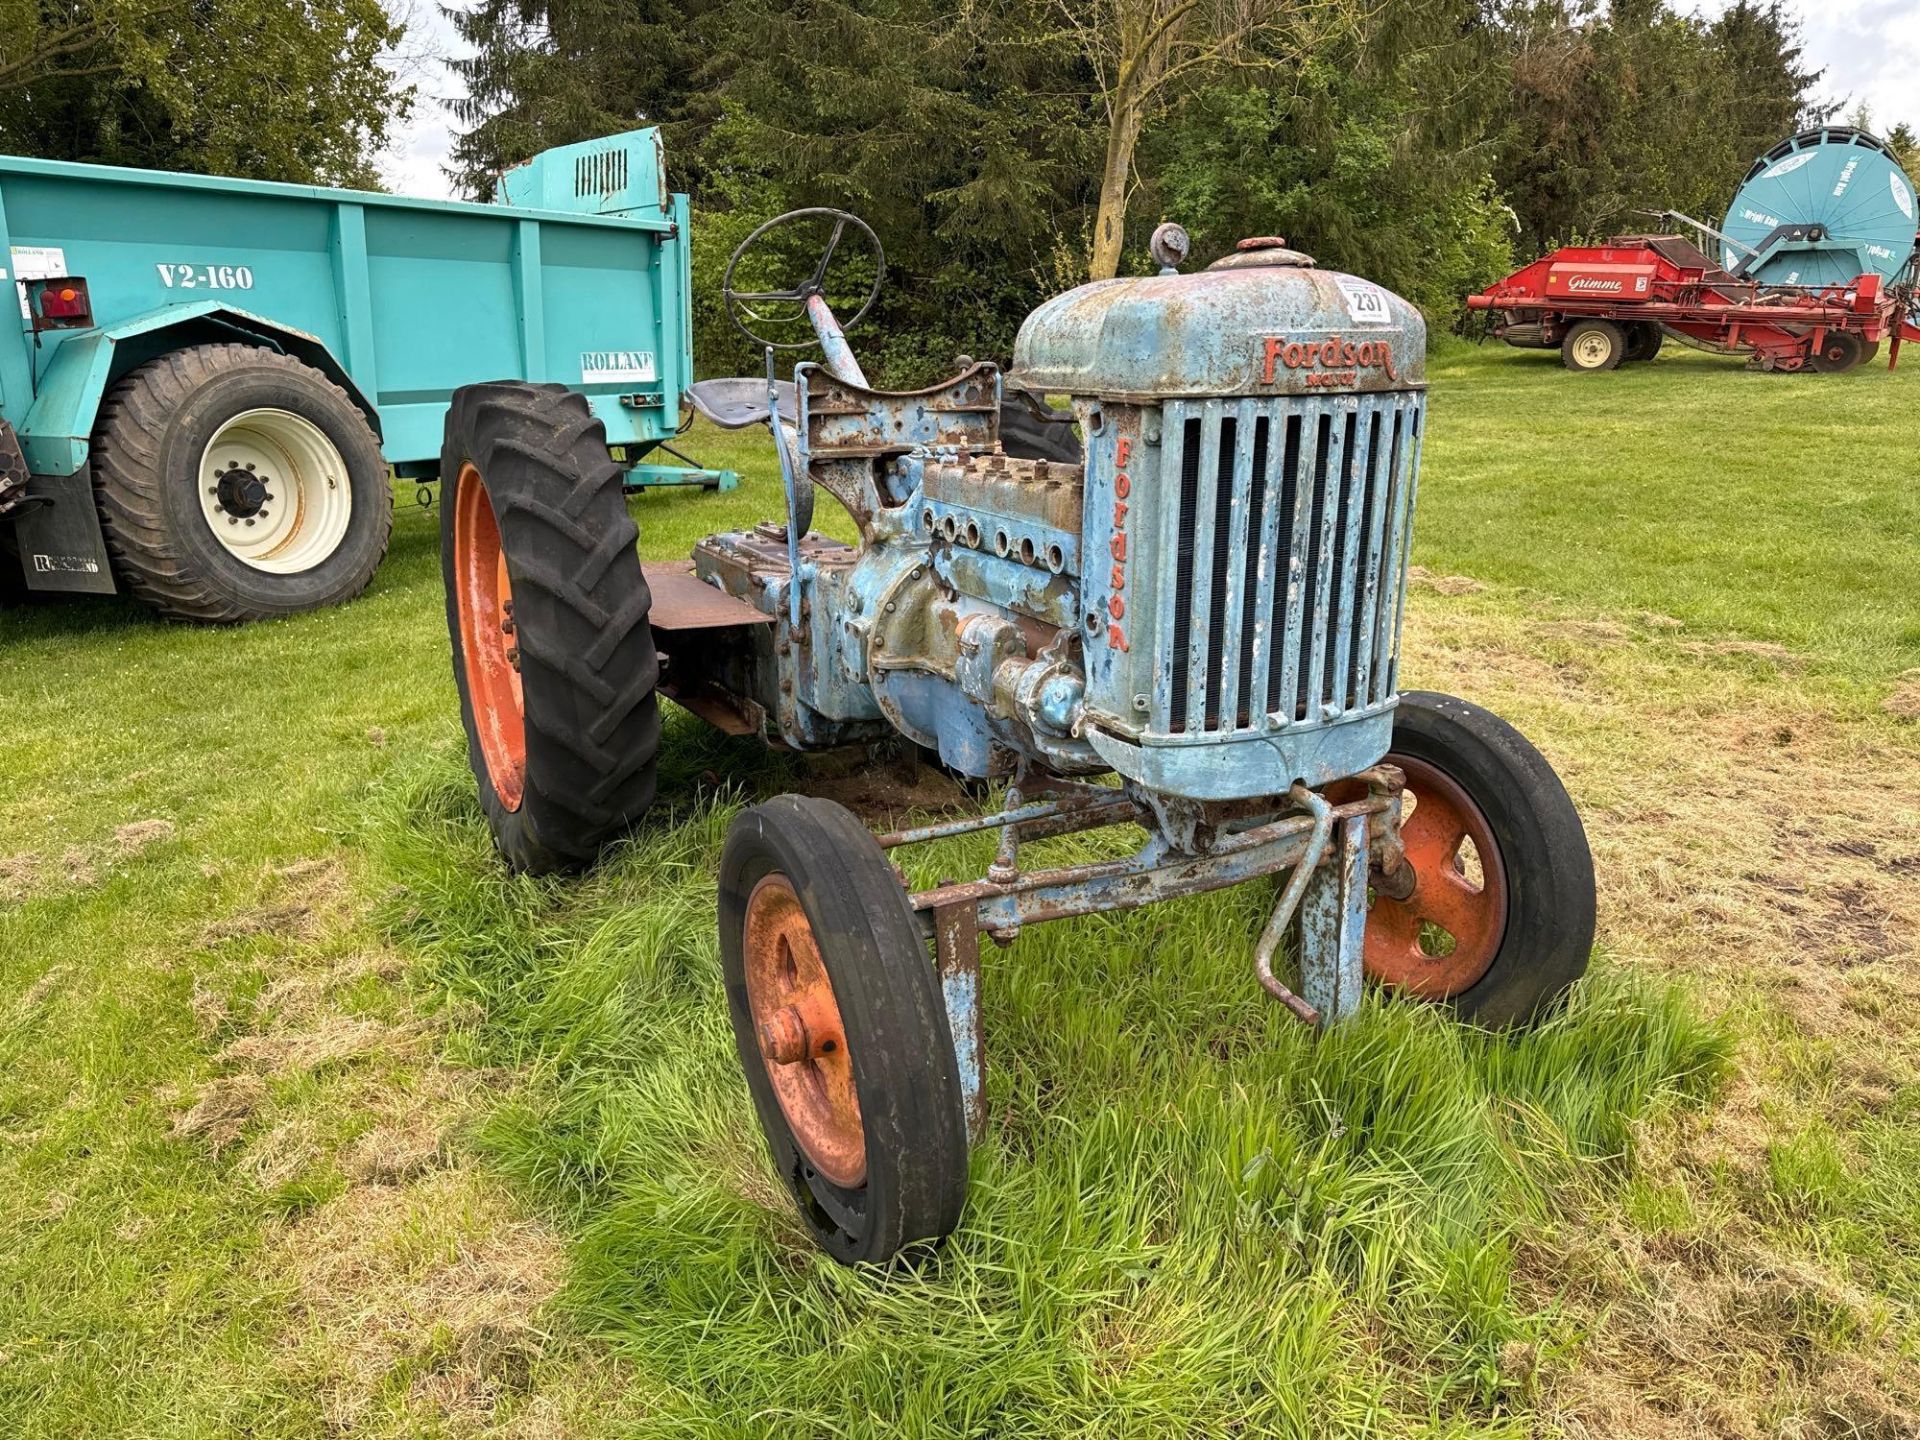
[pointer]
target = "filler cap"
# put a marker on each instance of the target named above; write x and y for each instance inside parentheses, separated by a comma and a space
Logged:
(1258, 250)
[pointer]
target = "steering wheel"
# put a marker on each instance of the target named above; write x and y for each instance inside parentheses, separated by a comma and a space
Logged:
(740, 303)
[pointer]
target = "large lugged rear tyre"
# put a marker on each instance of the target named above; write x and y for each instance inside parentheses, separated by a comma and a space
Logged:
(236, 483)
(841, 1030)
(1501, 918)
(547, 610)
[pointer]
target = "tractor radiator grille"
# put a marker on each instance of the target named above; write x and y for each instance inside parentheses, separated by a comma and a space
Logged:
(1288, 530)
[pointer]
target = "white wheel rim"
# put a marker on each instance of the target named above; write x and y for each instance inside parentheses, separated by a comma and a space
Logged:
(275, 492)
(1591, 349)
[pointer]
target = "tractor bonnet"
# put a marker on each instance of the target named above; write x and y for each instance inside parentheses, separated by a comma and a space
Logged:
(1262, 321)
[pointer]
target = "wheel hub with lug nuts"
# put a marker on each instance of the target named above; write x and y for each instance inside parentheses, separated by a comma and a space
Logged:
(274, 491)
(241, 492)
(801, 1034)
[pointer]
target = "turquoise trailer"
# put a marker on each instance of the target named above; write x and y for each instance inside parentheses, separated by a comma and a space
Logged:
(210, 377)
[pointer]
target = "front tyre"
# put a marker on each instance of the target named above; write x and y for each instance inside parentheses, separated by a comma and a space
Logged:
(547, 612)
(841, 1030)
(1500, 922)
(236, 483)
(1592, 345)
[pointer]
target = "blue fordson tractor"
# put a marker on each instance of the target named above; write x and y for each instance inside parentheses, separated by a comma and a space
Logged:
(1181, 612)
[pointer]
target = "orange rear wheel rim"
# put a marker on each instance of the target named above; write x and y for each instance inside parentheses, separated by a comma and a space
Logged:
(489, 648)
(1442, 939)
(802, 1041)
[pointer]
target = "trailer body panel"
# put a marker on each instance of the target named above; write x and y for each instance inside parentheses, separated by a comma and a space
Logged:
(408, 298)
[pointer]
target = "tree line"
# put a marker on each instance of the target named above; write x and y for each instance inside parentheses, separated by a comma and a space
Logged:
(1002, 149)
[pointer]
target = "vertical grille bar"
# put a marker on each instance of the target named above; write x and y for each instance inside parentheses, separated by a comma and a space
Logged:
(1231, 574)
(1373, 538)
(1409, 489)
(1321, 516)
(1180, 470)
(1390, 553)
(1282, 678)
(1256, 598)
(1342, 618)
(1203, 696)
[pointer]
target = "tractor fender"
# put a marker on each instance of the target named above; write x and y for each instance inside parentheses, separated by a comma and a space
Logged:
(58, 430)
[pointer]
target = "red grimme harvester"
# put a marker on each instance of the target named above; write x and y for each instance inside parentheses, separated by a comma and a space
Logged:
(1604, 304)
(1818, 265)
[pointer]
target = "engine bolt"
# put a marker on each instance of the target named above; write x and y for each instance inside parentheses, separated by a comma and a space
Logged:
(249, 520)
(1141, 702)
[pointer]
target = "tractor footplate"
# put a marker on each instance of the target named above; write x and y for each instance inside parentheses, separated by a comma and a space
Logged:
(683, 601)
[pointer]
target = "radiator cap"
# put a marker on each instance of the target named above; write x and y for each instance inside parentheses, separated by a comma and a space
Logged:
(1258, 250)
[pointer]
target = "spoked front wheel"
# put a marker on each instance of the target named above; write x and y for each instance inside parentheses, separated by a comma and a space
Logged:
(1501, 916)
(841, 1030)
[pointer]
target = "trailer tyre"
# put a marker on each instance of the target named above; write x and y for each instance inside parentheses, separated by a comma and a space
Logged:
(236, 483)
(1500, 922)
(1591, 345)
(547, 610)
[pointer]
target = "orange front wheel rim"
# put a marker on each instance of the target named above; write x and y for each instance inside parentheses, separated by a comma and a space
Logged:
(489, 646)
(801, 1037)
(1441, 939)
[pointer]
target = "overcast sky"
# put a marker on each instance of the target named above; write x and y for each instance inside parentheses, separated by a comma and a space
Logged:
(1870, 50)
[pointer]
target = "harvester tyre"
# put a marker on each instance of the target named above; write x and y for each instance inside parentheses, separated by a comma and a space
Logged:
(1524, 897)
(820, 953)
(1643, 341)
(309, 531)
(1593, 345)
(547, 610)
(1839, 352)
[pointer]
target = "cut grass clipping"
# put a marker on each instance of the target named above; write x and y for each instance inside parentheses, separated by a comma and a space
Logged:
(1189, 1215)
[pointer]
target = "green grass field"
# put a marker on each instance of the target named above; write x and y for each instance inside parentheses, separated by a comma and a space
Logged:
(314, 1123)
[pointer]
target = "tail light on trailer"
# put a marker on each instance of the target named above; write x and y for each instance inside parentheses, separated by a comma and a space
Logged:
(60, 302)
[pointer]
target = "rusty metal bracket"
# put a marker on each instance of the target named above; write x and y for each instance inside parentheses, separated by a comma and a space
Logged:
(1333, 923)
(956, 941)
(1289, 902)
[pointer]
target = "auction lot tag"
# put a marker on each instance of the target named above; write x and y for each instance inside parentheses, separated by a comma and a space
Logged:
(1366, 301)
